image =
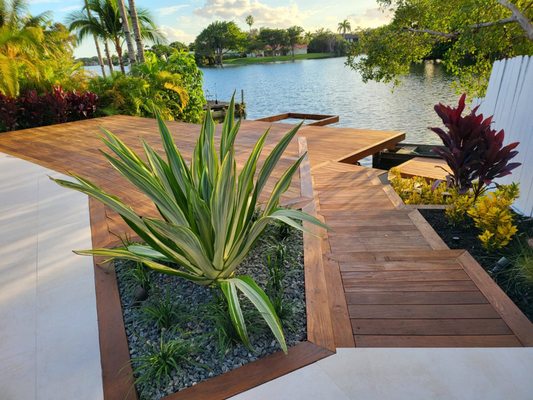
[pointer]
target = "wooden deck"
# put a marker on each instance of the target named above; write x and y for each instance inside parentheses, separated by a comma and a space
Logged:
(429, 168)
(383, 277)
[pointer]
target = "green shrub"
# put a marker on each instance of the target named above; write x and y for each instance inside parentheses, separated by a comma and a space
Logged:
(492, 216)
(459, 204)
(173, 87)
(183, 63)
(418, 190)
(206, 226)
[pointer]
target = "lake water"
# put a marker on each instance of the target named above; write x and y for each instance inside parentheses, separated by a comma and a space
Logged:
(328, 87)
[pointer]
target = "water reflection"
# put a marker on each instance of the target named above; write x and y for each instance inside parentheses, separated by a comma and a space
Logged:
(328, 87)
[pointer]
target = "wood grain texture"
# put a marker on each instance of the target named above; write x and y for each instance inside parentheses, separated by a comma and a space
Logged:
(399, 278)
(117, 374)
(429, 168)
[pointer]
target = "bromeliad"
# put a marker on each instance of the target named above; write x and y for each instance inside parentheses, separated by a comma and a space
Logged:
(207, 224)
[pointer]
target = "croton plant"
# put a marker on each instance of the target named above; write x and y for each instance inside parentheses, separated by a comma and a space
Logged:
(474, 152)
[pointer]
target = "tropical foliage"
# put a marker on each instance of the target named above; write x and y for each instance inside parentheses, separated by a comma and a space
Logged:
(34, 52)
(418, 190)
(467, 35)
(459, 204)
(217, 39)
(172, 86)
(207, 222)
(492, 216)
(344, 27)
(102, 18)
(57, 106)
(473, 150)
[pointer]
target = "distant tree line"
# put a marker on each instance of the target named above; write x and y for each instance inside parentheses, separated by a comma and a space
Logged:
(222, 39)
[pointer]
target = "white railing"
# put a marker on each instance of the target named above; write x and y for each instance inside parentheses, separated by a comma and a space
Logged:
(510, 99)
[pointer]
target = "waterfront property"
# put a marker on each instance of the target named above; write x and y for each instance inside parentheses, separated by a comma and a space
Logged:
(381, 277)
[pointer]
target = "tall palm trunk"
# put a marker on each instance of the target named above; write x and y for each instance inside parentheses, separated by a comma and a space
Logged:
(127, 34)
(118, 48)
(108, 55)
(99, 55)
(96, 44)
(136, 30)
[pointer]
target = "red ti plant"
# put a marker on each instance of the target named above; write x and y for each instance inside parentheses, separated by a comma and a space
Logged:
(473, 150)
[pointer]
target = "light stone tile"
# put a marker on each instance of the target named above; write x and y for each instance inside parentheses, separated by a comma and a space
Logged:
(432, 373)
(18, 277)
(48, 336)
(17, 183)
(308, 383)
(67, 340)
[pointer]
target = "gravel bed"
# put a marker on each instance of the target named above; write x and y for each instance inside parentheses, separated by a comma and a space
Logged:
(209, 359)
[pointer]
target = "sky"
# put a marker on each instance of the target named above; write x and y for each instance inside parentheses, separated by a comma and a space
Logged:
(184, 20)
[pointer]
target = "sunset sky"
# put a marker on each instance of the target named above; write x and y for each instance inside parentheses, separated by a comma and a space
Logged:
(183, 20)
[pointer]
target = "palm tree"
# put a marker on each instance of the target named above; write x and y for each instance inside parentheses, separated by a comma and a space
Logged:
(96, 43)
(344, 27)
(136, 30)
(308, 36)
(126, 27)
(250, 21)
(22, 45)
(86, 24)
(107, 25)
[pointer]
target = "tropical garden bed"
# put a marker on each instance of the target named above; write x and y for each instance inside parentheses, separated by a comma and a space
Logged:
(180, 334)
(472, 210)
(511, 266)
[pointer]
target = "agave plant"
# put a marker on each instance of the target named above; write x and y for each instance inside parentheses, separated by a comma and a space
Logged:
(207, 224)
(473, 150)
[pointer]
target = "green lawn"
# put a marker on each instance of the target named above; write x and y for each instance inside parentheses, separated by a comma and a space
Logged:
(260, 60)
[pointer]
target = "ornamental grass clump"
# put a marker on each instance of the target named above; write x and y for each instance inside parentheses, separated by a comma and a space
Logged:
(206, 225)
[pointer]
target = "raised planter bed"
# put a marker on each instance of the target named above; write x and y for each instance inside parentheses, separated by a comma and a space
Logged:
(118, 378)
(197, 313)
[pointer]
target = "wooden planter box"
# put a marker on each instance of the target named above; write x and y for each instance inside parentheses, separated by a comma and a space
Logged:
(115, 358)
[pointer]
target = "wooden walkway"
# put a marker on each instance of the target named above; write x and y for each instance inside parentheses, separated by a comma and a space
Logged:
(401, 285)
(390, 279)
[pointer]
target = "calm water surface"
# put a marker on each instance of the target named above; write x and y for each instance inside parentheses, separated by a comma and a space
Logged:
(328, 87)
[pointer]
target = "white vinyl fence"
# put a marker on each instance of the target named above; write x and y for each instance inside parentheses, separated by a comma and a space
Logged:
(510, 99)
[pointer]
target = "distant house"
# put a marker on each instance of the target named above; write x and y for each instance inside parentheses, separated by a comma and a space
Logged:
(350, 37)
(255, 53)
(300, 49)
(278, 52)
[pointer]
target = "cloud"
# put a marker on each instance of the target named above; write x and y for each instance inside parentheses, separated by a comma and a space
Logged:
(264, 15)
(171, 9)
(69, 8)
(173, 34)
(371, 18)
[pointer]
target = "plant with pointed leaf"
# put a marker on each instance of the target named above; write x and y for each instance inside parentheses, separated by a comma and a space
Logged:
(207, 224)
(473, 150)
